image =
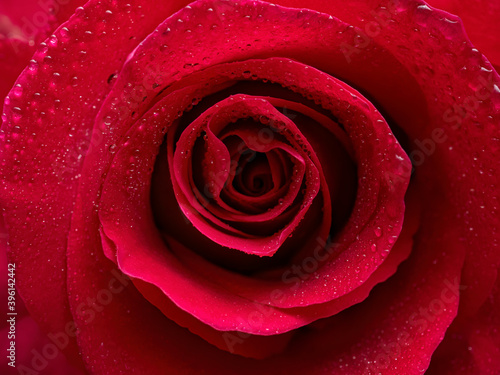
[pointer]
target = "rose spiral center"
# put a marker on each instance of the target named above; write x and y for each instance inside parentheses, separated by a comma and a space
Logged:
(254, 173)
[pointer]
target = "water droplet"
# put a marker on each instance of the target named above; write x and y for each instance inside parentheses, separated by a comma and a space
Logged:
(17, 91)
(43, 48)
(378, 231)
(33, 66)
(80, 12)
(53, 41)
(16, 114)
(64, 34)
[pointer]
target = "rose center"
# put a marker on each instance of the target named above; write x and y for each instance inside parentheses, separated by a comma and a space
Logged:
(255, 178)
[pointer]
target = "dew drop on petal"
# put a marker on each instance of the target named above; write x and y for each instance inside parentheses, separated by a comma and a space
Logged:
(17, 91)
(64, 34)
(33, 66)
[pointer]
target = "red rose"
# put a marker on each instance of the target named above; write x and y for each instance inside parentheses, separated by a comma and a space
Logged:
(238, 187)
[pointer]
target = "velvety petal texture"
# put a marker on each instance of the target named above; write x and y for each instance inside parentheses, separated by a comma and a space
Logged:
(14, 56)
(480, 21)
(34, 20)
(57, 172)
(264, 188)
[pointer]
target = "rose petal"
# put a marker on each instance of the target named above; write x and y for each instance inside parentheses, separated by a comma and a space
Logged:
(14, 56)
(251, 346)
(262, 245)
(480, 21)
(36, 19)
(41, 179)
(472, 346)
(139, 248)
(28, 338)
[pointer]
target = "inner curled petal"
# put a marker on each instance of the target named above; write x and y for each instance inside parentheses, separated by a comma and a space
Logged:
(215, 218)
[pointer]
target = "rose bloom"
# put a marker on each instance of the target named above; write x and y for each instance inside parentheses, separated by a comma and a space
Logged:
(240, 187)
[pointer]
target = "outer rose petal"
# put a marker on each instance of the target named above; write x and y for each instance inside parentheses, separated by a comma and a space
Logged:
(474, 346)
(51, 175)
(14, 56)
(30, 343)
(36, 19)
(480, 19)
(16, 48)
(29, 337)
